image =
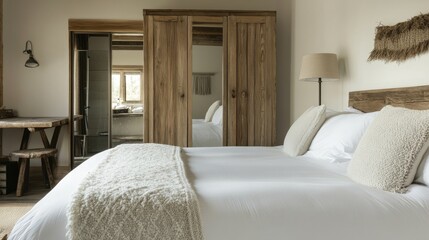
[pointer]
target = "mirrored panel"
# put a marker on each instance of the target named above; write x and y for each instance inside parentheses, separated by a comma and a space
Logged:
(127, 88)
(91, 94)
(207, 85)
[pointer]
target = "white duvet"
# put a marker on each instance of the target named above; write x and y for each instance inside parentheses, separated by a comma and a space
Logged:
(206, 134)
(259, 193)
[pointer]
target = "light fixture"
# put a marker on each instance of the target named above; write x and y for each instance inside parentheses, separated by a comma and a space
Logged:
(316, 66)
(31, 62)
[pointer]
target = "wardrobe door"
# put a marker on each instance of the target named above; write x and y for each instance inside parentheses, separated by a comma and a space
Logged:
(166, 79)
(251, 100)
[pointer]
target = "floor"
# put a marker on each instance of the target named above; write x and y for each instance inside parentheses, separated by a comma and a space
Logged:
(10, 213)
(12, 208)
(36, 189)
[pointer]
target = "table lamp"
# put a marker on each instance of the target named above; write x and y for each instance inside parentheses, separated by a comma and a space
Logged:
(316, 66)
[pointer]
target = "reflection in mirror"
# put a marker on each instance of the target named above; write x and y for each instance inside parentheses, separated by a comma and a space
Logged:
(207, 110)
(91, 96)
(127, 94)
(107, 91)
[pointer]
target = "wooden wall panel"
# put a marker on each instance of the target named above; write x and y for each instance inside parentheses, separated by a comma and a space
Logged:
(251, 80)
(166, 79)
(375, 100)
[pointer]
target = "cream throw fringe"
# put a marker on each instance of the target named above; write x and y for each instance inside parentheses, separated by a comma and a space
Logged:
(402, 41)
(139, 192)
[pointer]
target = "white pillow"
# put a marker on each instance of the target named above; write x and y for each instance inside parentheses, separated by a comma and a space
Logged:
(339, 136)
(353, 110)
(391, 149)
(422, 174)
(218, 115)
(302, 131)
(211, 111)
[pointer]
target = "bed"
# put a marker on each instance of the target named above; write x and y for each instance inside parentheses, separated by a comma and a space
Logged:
(261, 193)
(208, 132)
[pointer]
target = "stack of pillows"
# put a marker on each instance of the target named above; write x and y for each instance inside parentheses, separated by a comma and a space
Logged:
(388, 149)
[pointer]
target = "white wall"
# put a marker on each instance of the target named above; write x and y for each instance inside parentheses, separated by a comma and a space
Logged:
(347, 27)
(44, 91)
(207, 59)
(127, 57)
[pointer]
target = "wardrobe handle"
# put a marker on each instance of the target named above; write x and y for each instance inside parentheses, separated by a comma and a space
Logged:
(233, 93)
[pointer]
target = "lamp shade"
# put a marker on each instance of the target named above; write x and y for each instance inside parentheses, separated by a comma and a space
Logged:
(319, 65)
(31, 62)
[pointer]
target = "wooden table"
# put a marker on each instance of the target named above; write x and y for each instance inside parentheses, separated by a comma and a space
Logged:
(37, 124)
(33, 124)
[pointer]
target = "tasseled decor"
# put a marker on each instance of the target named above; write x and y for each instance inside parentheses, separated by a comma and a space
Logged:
(202, 84)
(402, 41)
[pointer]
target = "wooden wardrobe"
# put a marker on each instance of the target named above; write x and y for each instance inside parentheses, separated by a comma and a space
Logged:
(249, 75)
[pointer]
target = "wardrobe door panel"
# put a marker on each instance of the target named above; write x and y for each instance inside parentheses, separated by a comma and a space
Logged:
(251, 80)
(166, 79)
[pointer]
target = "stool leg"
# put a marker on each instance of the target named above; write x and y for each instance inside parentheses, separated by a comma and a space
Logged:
(23, 165)
(45, 174)
(49, 172)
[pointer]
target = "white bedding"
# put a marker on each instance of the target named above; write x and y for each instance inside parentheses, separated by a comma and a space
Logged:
(206, 134)
(259, 193)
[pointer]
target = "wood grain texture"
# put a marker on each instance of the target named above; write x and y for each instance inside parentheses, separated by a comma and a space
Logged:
(251, 80)
(34, 153)
(209, 36)
(27, 122)
(225, 81)
(190, 32)
(231, 107)
(24, 157)
(166, 74)
(206, 13)
(105, 25)
(375, 100)
(148, 83)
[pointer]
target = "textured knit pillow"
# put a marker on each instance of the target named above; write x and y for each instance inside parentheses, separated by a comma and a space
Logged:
(391, 149)
(302, 131)
(210, 112)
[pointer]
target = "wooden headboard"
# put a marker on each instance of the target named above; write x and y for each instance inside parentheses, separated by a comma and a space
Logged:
(374, 100)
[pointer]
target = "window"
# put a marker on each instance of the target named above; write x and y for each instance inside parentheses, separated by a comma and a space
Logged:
(132, 86)
(126, 84)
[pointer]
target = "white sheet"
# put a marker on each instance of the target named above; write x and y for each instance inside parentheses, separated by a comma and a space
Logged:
(259, 193)
(206, 134)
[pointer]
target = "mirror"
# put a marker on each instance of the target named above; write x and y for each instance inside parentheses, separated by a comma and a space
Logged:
(91, 94)
(107, 91)
(127, 88)
(207, 85)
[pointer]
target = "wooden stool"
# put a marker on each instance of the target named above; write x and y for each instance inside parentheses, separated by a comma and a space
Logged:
(24, 160)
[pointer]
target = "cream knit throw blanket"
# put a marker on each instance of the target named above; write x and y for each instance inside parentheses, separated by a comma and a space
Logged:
(139, 192)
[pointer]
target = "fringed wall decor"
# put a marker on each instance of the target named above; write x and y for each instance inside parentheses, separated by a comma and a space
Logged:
(202, 83)
(402, 41)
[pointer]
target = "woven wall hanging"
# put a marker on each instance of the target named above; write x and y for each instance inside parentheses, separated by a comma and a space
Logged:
(402, 41)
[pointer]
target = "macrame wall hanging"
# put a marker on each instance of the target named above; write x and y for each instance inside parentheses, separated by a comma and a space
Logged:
(402, 41)
(202, 83)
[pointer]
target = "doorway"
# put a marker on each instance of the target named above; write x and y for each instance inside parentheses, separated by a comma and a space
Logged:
(106, 85)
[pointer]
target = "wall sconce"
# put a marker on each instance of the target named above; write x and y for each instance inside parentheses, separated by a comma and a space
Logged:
(31, 62)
